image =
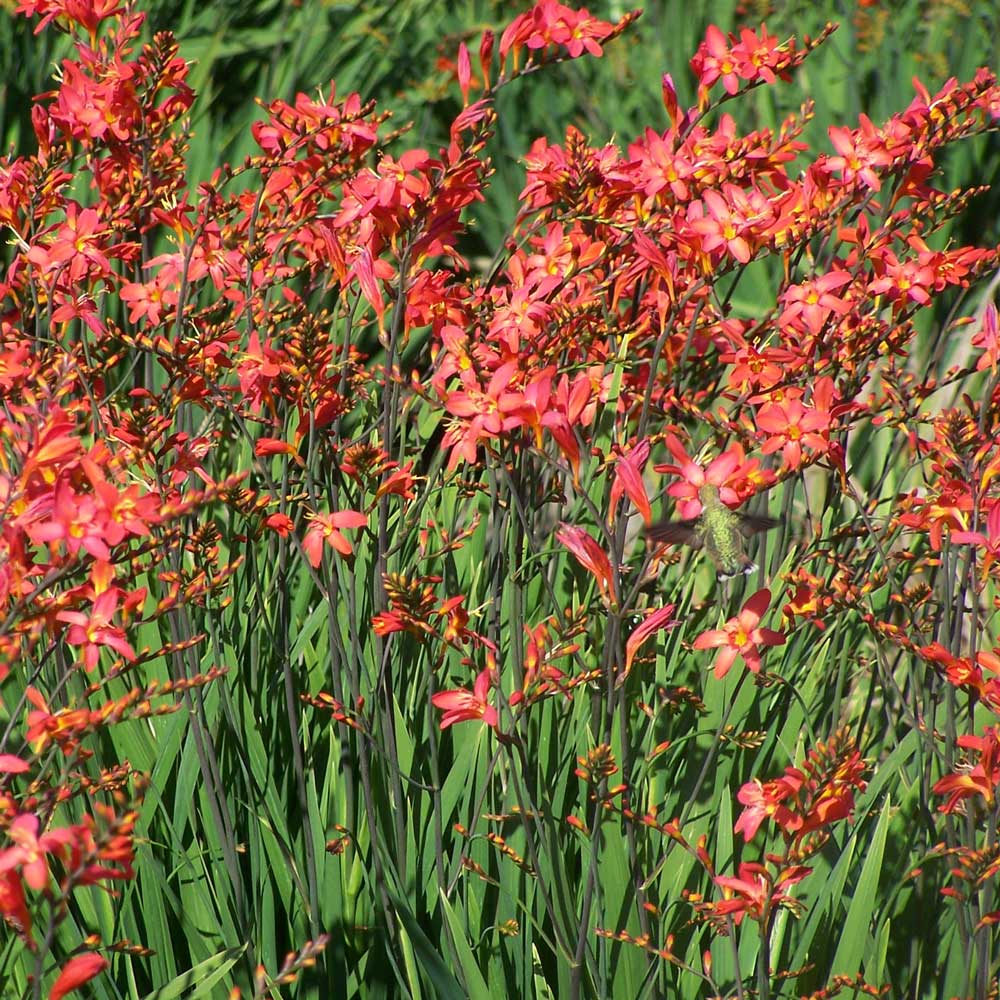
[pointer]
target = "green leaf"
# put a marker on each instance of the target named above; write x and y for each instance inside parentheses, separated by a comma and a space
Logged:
(857, 927)
(474, 982)
(433, 966)
(198, 982)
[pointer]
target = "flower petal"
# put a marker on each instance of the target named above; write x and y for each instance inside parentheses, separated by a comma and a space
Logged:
(78, 970)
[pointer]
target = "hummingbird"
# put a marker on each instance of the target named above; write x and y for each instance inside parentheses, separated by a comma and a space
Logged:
(721, 532)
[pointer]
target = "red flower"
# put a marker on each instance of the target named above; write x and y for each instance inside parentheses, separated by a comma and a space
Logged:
(990, 542)
(265, 447)
(12, 364)
(400, 483)
(808, 306)
(482, 414)
(258, 370)
(764, 800)
(12, 764)
(590, 555)
(754, 892)
(718, 472)
(861, 153)
(721, 225)
(714, 61)
(757, 368)
(78, 970)
(77, 244)
(87, 13)
(808, 798)
(740, 636)
(325, 528)
(988, 339)
(789, 425)
(464, 706)
(54, 448)
(13, 905)
(146, 300)
(550, 23)
(948, 509)
(974, 779)
(628, 479)
(754, 57)
(29, 849)
(76, 521)
(654, 622)
(96, 629)
(280, 523)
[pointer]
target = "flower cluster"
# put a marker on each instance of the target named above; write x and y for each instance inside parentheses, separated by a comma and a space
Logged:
(804, 800)
(804, 803)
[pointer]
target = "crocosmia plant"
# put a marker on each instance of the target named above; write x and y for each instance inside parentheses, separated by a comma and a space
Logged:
(417, 585)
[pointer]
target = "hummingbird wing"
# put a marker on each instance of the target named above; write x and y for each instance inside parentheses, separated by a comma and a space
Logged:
(681, 532)
(751, 524)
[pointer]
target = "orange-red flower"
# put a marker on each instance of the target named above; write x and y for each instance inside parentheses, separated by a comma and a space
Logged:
(714, 60)
(483, 414)
(324, 529)
(95, 629)
(789, 424)
(628, 479)
(767, 799)
(862, 153)
(29, 850)
(809, 305)
(462, 705)
(981, 778)
(754, 57)
(13, 905)
(741, 636)
(550, 23)
(591, 556)
(655, 621)
(718, 473)
(987, 338)
(806, 798)
(755, 892)
(735, 220)
(989, 542)
(78, 970)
